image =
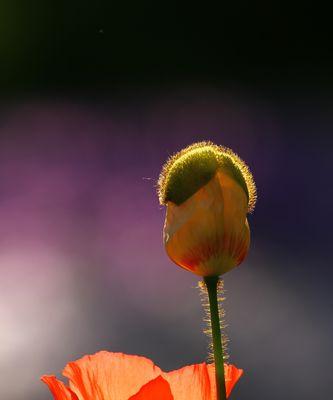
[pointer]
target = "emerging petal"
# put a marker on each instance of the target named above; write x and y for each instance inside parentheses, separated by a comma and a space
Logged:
(58, 389)
(208, 234)
(157, 389)
(108, 376)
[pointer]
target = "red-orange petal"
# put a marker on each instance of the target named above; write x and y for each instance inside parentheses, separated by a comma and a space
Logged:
(156, 389)
(58, 389)
(106, 375)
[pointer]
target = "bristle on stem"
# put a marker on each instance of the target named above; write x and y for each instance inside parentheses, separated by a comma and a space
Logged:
(221, 296)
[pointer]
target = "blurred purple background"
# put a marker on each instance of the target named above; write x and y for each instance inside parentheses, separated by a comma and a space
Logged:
(82, 262)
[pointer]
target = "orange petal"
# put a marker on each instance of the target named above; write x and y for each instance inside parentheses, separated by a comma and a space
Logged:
(58, 389)
(197, 382)
(157, 389)
(106, 375)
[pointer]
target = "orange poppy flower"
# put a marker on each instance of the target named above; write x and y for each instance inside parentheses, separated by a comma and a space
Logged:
(118, 376)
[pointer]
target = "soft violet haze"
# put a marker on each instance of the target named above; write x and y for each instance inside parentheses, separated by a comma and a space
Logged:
(82, 262)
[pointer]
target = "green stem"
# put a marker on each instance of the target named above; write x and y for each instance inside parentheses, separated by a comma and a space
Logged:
(211, 284)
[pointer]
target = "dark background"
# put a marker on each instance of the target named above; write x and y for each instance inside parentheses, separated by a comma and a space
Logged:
(94, 97)
(103, 44)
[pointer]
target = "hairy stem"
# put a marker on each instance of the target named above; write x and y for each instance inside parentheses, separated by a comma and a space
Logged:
(211, 284)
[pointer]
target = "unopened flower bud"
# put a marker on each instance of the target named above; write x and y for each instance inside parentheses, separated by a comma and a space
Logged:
(208, 191)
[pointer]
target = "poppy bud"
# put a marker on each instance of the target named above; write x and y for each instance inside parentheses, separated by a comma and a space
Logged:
(208, 191)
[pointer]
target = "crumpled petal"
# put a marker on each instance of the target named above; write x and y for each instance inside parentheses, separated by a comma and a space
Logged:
(108, 376)
(58, 389)
(231, 375)
(191, 382)
(197, 382)
(157, 389)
